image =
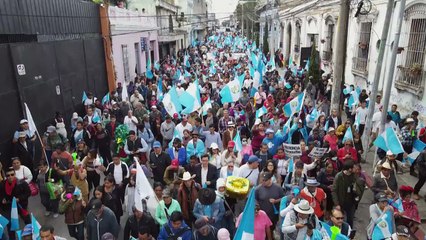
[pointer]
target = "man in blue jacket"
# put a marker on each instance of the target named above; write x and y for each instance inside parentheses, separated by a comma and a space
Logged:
(176, 228)
(273, 141)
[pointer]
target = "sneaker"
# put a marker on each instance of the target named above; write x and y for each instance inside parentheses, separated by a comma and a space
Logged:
(46, 214)
(55, 215)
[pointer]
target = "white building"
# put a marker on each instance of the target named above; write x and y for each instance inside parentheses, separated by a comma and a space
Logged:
(134, 41)
(305, 21)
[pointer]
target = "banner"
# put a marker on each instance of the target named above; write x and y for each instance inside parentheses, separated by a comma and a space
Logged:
(317, 152)
(292, 150)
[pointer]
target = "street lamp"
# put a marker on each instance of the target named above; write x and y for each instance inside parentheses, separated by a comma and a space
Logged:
(242, 14)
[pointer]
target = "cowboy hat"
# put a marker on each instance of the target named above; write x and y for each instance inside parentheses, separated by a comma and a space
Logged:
(303, 207)
(312, 182)
(187, 176)
(386, 165)
(206, 196)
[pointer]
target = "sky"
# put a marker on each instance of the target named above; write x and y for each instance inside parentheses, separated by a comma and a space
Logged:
(223, 8)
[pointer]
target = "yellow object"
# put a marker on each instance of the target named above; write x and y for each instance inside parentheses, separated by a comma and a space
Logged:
(237, 187)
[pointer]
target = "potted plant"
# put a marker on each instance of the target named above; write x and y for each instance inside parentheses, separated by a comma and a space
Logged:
(416, 70)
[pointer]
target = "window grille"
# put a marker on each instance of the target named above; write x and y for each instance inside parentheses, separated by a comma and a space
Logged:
(125, 55)
(360, 62)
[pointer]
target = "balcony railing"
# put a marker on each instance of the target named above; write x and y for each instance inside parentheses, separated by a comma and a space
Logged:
(128, 18)
(327, 55)
(167, 5)
(359, 66)
(410, 80)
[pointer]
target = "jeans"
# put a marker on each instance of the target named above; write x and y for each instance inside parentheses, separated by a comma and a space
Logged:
(350, 213)
(50, 205)
(93, 179)
(76, 231)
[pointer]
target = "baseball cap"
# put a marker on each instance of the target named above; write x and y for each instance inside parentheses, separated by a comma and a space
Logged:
(175, 163)
(23, 121)
(268, 131)
(253, 158)
(266, 176)
(96, 205)
(402, 230)
(381, 197)
(231, 144)
(156, 144)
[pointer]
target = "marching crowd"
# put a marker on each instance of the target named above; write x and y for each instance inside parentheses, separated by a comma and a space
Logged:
(88, 172)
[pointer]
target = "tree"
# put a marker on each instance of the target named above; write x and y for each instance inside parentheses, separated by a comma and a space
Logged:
(314, 65)
(265, 39)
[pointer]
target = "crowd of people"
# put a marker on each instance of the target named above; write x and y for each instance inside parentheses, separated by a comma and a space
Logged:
(88, 171)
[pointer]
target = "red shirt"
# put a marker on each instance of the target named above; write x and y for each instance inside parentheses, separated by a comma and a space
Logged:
(316, 200)
(343, 152)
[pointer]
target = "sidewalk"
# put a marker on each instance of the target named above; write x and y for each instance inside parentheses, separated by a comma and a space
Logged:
(362, 214)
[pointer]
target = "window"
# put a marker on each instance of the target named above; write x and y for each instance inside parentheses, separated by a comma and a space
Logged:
(125, 56)
(411, 71)
(328, 51)
(360, 61)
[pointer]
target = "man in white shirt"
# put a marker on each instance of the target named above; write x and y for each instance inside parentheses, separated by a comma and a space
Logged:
(183, 125)
(250, 170)
(131, 121)
(361, 113)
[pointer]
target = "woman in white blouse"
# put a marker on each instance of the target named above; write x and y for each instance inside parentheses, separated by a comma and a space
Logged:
(22, 172)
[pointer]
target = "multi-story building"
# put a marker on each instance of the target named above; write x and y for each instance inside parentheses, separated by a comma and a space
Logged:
(134, 40)
(304, 22)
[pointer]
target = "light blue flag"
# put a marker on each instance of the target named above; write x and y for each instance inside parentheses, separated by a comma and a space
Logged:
(261, 111)
(187, 74)
(261, 69)
(14, 217)
(96, 118)
(348, 135)
(36, 227)
(251, 70)
(253, 91)
(357, 122)
(238, 144)
(245, 229)
(396, 204)
(308, 63)
(171, 102)
(241, 79)
(286, 127)
(186, 60)
(353, 98)
(191, 98)
(304, 133)
(212, 68)
(313, 115)
(347, 90)
(388, 140)
(206, 106)
(271, 63)
(326, 126)
(3, 221)
(105, 99)
(160, 93)
(18, 234)
(293, 129)
(149, 74)
(254, 60)
(295, 105)
(290, 61)
(84, 98)
(383, 227)
(238, 66)
(157, 66)
(231, 92)
(253, 46)
(175, 135)
(418, 147)
(290, 167)
(77, 191)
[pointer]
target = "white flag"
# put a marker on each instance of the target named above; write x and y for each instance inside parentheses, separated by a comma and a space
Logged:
(31, 124)
(143, 189)
(124, 94)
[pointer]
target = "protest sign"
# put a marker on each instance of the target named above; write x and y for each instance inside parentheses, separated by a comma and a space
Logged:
(292, 150)
(318, 152)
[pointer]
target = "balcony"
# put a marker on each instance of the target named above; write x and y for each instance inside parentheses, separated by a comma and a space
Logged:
(411, 81)
(169, 5)
(327, 56)
(359, 66)
(122, 19)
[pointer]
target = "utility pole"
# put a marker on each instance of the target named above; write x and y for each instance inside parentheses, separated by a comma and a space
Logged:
(340, 53)
(242, 19)
(373, 95)
(391, 69)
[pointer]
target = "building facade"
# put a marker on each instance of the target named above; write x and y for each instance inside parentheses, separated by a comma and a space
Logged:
(306, 22)
(134, 41)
